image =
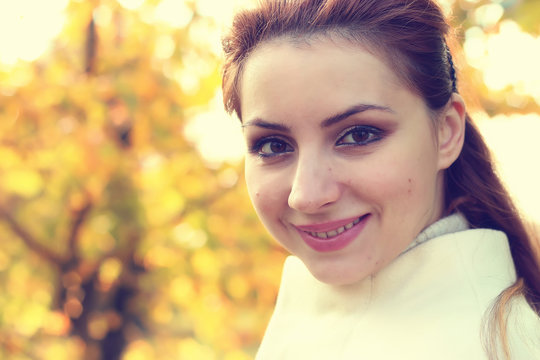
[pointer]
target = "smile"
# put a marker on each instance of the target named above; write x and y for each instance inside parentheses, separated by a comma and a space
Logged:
(334, 235)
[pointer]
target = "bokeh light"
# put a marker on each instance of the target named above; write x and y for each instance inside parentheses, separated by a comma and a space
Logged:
(27, 27)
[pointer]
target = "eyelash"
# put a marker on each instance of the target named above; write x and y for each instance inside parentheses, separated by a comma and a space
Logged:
(374, 134)
(257, 147)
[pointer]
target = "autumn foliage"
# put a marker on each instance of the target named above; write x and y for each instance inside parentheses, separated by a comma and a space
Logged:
(117, 240)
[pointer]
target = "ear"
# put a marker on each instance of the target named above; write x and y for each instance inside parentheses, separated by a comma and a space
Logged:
(451, 131)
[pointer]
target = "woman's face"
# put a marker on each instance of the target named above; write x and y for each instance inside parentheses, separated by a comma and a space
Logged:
(343, 165)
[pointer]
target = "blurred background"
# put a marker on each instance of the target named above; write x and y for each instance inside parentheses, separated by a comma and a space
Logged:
(125, 227)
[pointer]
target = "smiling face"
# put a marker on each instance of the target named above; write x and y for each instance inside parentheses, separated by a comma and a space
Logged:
(344, 167)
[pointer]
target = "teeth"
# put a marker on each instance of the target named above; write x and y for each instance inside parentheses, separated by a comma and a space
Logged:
(332, 233)
(329, 234)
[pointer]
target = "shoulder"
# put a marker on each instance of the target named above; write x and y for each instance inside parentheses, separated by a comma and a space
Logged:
(480, 259)
(488, 270)
(465, 270)
(521, 336)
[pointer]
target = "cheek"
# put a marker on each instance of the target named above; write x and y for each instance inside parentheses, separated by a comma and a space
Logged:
(394, 183)
(412, 189)
(389, 180)
(255, 190)
(266, 192)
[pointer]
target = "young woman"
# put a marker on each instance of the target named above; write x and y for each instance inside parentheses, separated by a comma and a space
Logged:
(364, 164)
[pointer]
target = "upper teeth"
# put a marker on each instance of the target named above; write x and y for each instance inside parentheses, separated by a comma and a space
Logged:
(332, 233)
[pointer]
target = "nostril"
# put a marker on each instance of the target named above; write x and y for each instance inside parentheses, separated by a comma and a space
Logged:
(312, 199)
(313, 185)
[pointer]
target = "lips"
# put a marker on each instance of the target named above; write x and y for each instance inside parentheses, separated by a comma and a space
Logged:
(332, 236)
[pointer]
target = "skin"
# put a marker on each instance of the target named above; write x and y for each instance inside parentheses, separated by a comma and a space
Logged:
(383, 158)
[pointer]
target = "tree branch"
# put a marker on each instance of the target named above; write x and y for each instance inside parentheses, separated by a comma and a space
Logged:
(29, 240)
(78, 220)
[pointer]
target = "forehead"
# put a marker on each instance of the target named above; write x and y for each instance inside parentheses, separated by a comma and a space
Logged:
(303, 73)
(344, 39)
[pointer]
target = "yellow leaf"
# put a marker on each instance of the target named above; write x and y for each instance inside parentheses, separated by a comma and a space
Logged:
(9, 158)
(191, 349)
(237, 355)
(4, 260)
(206, 263)
(161, 312)
(31, 319)
(160, 256)
(182, 290)
(56, 324)
(165, 206)
(109, 271)
(26, 183)
(138, 350)
(238, 286)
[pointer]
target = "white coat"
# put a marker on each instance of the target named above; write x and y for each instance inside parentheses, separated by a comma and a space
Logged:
(430, 303)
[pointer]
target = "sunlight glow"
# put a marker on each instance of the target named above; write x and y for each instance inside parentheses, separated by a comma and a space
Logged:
(514, 142)
(489, 14)
(165, 47)
(131, 4)
(27, 28)
(446, 6)
(508, 58)
(103, 15)
(222, 11)
(174, 13)
(217, 136)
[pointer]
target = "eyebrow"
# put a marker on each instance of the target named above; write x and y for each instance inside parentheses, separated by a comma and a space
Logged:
(353, 111)
(266, 125)
(334, 119)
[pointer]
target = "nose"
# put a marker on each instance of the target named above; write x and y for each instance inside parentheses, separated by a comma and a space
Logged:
(315, 186)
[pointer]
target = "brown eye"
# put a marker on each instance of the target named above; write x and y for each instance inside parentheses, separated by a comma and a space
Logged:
(360, 135)
(273, 147)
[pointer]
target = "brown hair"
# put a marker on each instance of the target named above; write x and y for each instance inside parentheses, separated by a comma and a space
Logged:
(412, 36)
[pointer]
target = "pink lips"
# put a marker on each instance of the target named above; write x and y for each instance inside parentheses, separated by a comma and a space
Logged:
(335, 241)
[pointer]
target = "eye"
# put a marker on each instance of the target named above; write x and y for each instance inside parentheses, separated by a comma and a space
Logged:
(270, 147)
(359, 135)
